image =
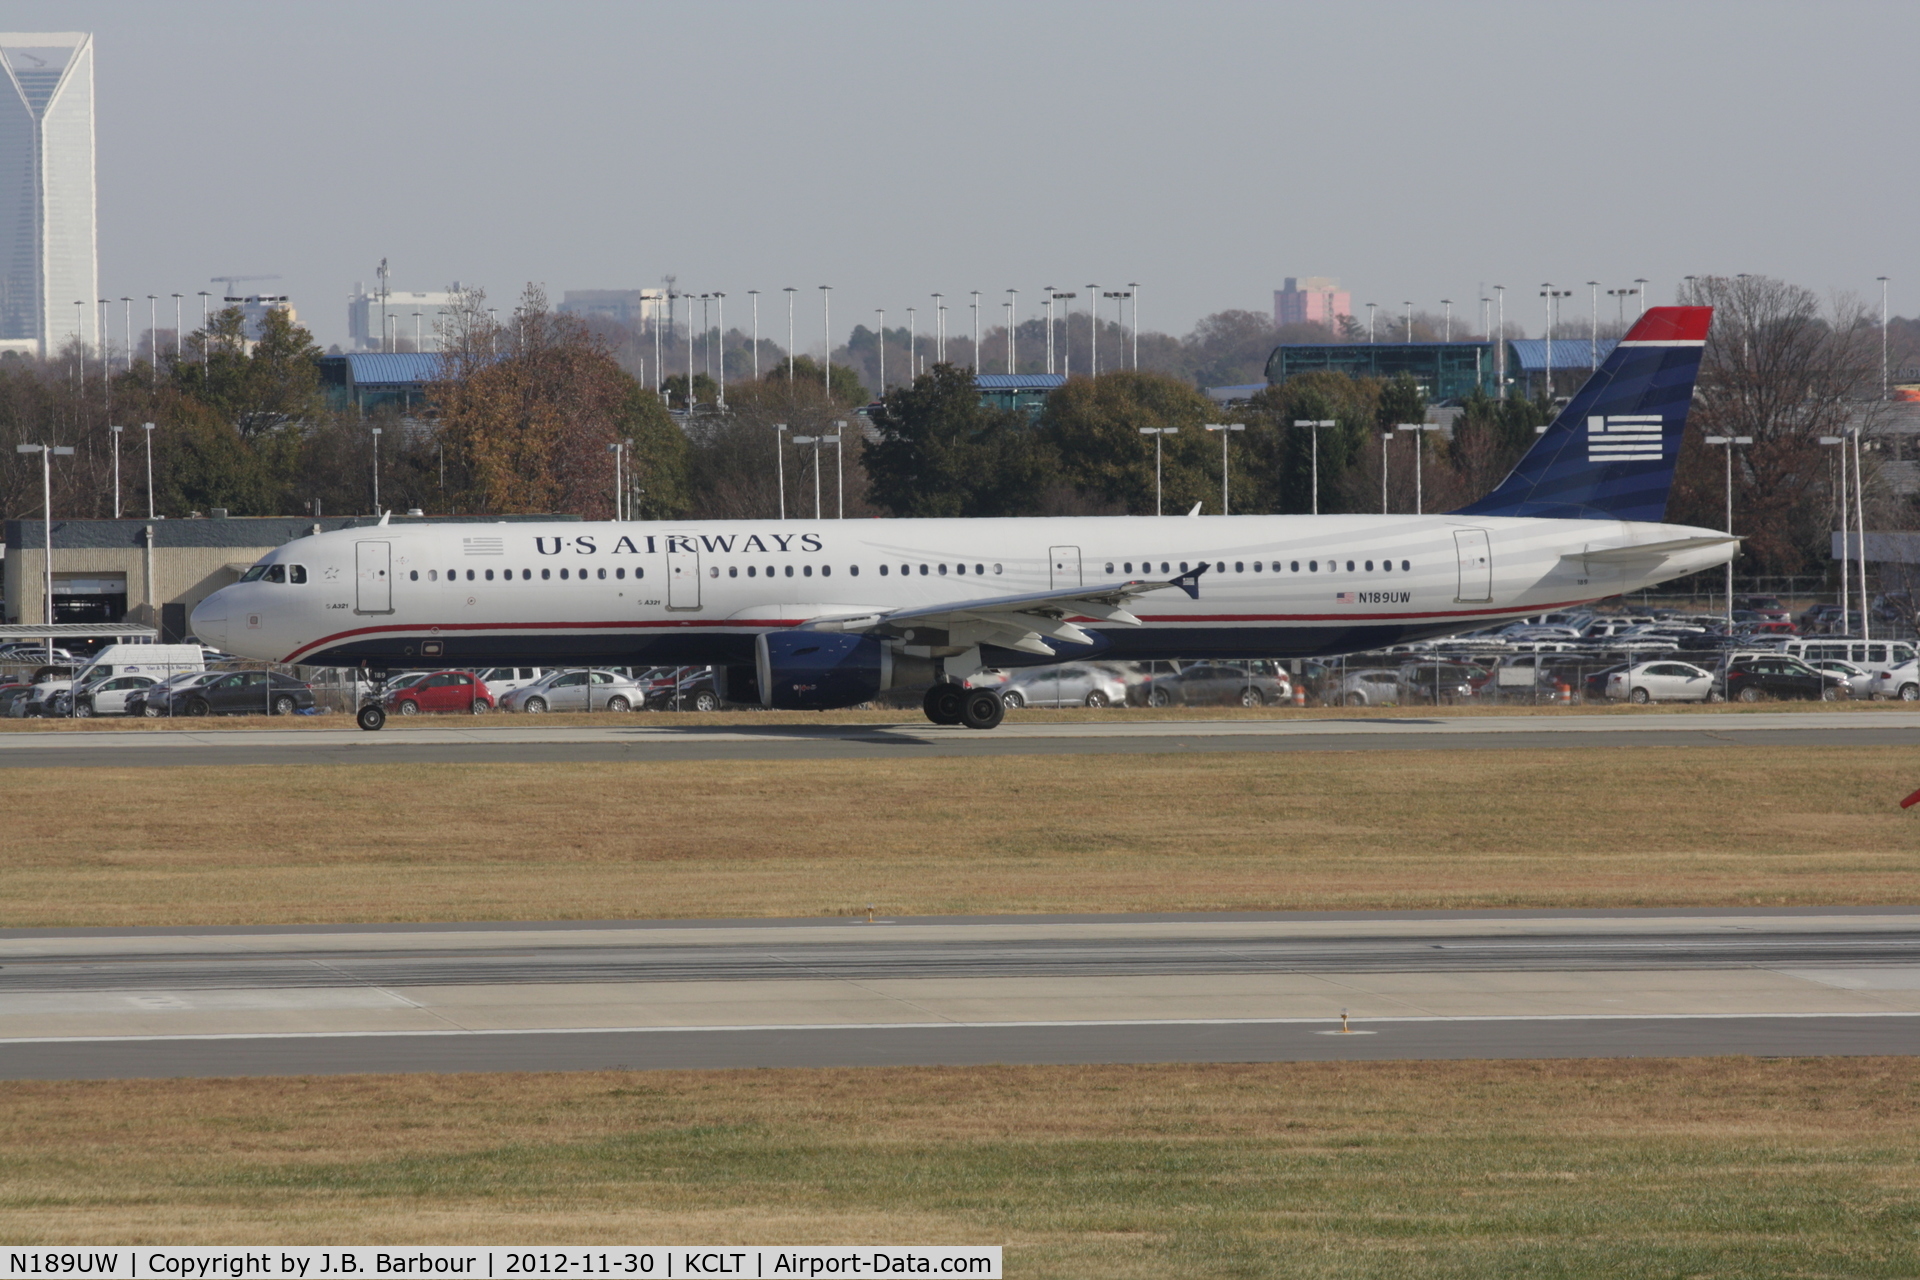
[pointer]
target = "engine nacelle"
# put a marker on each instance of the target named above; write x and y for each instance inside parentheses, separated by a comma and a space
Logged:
(821, 670)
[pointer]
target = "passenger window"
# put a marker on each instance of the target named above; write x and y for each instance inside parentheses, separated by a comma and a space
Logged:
(413, 575)
(621, 572)
(1349, 566)
(489, 575)
(996, 568)
(1256, 566)
(1313, 566)
(469, 575)
(979, 568)
(713, 571)
(1221, 567)
(733, 571)
(546, 575)
(806, 571)
(923, 570)
(1387, 565)
(639, 573)
(1165, 567)
(602, 573)
(855, 569)
(1127, 567)
(1296, 566)
(789, 571)
(1369, 566)
(1109, 566)
(883, 571)
(752, 572)
(826, 571)
(769, 571)
(1239, 567)
(563, 575)
(943, 571)
(433, 575)
(1405, 566)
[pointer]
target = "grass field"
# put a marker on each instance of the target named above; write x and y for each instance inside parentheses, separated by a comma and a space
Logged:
(1645, 826)
(1710, 1167)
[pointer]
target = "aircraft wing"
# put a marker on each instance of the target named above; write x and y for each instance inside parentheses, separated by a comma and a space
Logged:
(1023, 622)
(1647, 551)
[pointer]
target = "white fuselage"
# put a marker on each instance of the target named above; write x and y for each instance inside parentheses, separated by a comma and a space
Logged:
(470, 595)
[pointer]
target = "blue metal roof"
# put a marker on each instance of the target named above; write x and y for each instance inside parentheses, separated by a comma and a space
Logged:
(1568, 353)
(392, 368)
(1018, 381)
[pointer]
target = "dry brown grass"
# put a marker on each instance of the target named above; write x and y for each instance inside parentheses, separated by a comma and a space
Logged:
(1660, 826)
(1028, 715)
(1731, 1167)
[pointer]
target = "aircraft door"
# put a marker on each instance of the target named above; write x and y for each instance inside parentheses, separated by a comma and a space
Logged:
(683, 573)
(1476, 566)
(1066, 566)
(373, 580)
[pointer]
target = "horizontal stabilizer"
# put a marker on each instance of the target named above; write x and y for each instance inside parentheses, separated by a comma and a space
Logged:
(1648, 552)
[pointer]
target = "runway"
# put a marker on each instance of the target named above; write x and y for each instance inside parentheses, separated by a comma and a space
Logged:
(648, 995)
(654, 738)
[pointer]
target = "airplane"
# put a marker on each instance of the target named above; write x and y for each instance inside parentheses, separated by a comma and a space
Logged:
(819, 614)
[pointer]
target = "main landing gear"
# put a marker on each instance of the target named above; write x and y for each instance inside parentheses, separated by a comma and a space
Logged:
(956, 704)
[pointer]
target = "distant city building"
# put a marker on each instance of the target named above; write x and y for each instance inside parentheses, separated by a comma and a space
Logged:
(254, 308)
(372, 317)
(630, 307)
(47, 253)
(1313, 300)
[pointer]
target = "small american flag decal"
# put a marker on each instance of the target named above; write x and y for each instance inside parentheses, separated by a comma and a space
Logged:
(1346, 597)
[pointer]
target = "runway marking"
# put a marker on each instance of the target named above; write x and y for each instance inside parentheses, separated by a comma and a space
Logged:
(1394, 1019)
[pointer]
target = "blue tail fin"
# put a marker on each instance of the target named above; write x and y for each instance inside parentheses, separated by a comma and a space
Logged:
(1611, 452)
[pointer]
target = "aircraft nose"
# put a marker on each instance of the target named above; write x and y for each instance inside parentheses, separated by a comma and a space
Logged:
(209, 620)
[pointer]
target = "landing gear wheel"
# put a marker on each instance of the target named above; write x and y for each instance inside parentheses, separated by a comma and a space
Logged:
(942, 703)
(981, 708)
(371, 717)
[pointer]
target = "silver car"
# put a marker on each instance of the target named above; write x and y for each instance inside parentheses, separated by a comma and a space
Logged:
(577, 691)
(1073, 684)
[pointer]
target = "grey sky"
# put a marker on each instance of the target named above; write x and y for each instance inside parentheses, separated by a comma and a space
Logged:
(1413, 151)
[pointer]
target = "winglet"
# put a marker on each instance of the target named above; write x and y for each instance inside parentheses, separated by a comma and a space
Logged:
(1190, 582)
(383, 517)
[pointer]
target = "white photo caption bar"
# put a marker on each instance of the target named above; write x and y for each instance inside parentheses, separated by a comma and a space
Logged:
(496, 1262)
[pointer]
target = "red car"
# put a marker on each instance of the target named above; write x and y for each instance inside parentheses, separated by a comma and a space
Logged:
(443, 691)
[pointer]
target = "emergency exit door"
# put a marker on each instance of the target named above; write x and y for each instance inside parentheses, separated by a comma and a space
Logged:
(1476, 565)
(373, 577)
(1066, 566)
(683, 574)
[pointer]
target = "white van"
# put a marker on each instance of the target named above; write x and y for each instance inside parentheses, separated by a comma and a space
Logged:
(1873, 656)
(156, 660)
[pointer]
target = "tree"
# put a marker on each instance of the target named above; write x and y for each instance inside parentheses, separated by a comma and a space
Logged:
(256, 385)
(1092, 426)
(1280, 455)
(847, 389)
(941, 452)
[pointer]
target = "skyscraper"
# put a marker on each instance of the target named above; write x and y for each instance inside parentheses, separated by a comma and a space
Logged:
(48, 260)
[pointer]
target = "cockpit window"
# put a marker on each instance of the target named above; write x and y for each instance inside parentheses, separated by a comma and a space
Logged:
(296, 573)
(276, 573)
(254, 574)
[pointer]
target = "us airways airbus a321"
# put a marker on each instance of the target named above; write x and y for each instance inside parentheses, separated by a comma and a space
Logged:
(812, 615)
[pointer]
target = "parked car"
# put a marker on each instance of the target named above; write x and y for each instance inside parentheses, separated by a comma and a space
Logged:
(1437, 682)
(1859, 679)
(1749, 677)
(576, 691)
(1819, 619)
(1253, 684)
(461, 692)
(27, 652)
(1902, 682)
(1070, 684)
(109, 697)
(244, 693)
(37, 702)
(1662, 682)
(1369, 688)
(1594, 687)
(504, 680)
(153, 701)
(682, 689)
(1765, 606)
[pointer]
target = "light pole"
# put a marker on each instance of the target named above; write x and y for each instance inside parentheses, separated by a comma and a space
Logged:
(720, 314)
(1860, 525)
(976, 332)
(788, 290)
(1066, 332)
(1447, 332)
(1593, 329)
(1093, 330)
(1620, 306)
(47, 452)
(614, 449)
(1226, 430)
(416, 333)
(1133, 291)
(1552, 295)
(177, 335)
(1013, 319)
(376, 469)
(1408, 304)
(826, 318)
(1370, 307)
(116, 469)
(816, 442)
(206, 322)
(780, 462)
(1883, 337)
(1419, 449)
(1314, 425)
(755, 295)
(1640, 282)
(153, 339)
(882, 313)
(146, 429)
(1500, 341)
(939, 329)
(913, 344)
(1386, 441)
(1727, 442)
(1156, 433)
(128, 323)
(1846, 531)
(1048, 290)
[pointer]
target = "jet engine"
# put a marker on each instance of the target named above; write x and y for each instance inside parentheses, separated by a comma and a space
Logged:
(821, 670)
